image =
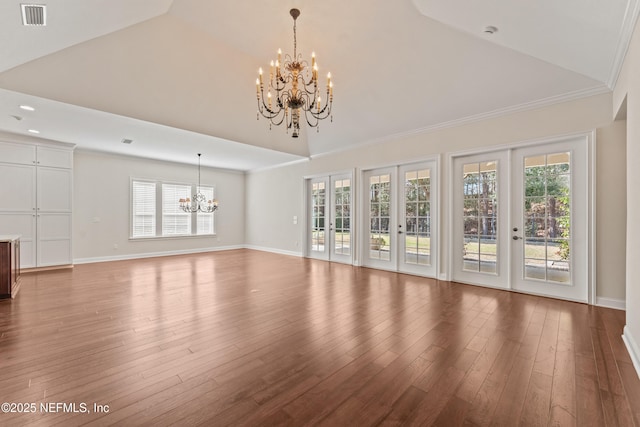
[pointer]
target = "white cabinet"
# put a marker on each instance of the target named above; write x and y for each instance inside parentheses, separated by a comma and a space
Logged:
(17, 188)
(36, 187)
(55, 157)
(23, 154)
(53, 189)
(54, 239)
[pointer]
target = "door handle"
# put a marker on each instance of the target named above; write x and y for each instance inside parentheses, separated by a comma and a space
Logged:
(516, 238)
(399, 231)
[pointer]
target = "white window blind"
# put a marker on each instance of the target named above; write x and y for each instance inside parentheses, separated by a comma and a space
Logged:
(155, 210)
(205, 220)
(144, 209)
(175, 221)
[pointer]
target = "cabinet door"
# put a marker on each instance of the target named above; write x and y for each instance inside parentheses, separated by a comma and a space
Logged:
(54, 239)
(55, 157)
(17, 188)
(23, 224)
(54, 189)
(17, 153)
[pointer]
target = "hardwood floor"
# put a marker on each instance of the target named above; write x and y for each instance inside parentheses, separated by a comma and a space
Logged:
(251, 338)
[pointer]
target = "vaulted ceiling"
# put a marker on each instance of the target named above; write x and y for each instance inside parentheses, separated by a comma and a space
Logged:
(178, 77)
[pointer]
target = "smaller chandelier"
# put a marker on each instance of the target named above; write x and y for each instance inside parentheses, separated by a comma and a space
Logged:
(199, 202)
(292, 91)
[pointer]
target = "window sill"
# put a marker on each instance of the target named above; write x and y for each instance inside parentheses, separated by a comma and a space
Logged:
(184, 236)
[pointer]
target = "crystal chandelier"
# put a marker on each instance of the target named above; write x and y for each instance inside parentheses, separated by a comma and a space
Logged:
(292, 92)
(199, 202)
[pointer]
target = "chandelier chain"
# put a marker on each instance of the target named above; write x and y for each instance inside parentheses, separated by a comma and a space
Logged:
(295, 40)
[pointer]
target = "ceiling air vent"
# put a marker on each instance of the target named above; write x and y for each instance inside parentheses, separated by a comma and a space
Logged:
(34, 14)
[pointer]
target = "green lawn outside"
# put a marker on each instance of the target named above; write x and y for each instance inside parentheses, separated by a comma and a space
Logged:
(424, 244)
(530, 251)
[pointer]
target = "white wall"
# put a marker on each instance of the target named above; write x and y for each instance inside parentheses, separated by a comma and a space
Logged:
(611, 209)
(101, 191)
(628, 86)
(274, 197)
(282, 189)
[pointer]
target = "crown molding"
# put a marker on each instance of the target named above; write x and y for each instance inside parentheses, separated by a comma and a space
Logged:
(624, 39)
(278, 165)
(533, 105)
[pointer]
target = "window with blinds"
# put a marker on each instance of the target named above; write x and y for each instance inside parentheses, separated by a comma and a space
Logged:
(156, 212)
(143, 209)
(205, 220)
(175, 221)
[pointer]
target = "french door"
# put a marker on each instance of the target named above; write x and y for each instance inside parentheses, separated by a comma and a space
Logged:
(330, 201)
(400, 216)
(550, 231)
(480, 219)
(520, 219)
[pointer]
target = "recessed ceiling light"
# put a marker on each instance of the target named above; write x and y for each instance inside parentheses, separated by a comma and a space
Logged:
(490, 29)
(27, 107)
(33, 131)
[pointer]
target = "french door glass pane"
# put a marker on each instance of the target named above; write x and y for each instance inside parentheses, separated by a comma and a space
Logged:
(318, 199)
(417, 204)
(379, 205)
(547, 217)
(480, 213)
(342, 214)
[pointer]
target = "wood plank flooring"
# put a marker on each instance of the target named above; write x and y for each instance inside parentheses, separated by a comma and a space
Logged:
(250, 338)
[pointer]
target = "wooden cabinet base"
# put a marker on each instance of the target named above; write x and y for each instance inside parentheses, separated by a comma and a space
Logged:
(9, 266)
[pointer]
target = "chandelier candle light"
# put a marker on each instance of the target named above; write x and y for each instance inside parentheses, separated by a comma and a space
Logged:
(199, 202)
(294, 94)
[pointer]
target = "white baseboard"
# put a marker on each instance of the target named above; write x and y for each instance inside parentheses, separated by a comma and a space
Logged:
(273, 250)
(632, 348)
(154, 254)
(618, 304)
(182, 252)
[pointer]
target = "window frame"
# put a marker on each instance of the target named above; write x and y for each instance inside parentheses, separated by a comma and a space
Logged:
(159, 211)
